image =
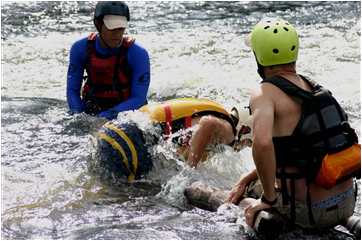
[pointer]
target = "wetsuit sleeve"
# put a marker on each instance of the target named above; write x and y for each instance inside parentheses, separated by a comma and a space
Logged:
(77, 59)
(139, 62)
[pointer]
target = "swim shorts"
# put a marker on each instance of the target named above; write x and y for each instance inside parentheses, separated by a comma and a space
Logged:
(326, 213)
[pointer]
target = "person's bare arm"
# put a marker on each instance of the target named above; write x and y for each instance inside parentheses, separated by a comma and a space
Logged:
(262, 107)
(210, 130)
(236, 194)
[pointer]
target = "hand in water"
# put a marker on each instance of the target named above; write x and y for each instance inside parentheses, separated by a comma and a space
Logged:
(250, 212)
(76, 115)
(237, 193)
(108, 114)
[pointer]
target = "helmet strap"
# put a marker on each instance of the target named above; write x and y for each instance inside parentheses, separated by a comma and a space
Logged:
(98, 24)
(103, 41)
(261, 70)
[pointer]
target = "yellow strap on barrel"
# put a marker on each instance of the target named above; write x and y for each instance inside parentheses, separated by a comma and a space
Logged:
(130, 145)
(116, 146)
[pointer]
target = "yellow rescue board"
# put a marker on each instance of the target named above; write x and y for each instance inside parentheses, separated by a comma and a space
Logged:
(181, 108)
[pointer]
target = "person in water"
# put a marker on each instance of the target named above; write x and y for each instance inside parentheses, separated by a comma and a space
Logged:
(194, 125)
(117, 67)
(296, 122)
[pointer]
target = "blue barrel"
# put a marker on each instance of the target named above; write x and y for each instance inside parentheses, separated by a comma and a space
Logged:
(122, 150)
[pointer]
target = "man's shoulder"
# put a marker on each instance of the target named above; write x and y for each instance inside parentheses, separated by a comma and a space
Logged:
(137, 47)
(267, 88)
(78, 50)
(265, 92)
(80, 43)
(137, 54)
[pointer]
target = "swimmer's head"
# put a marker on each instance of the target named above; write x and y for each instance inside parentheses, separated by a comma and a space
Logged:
(243, 122)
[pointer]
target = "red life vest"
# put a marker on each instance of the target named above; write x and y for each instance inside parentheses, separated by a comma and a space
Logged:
(108, 79)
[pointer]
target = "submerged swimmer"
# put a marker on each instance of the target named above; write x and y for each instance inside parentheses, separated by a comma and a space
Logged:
(122, 148)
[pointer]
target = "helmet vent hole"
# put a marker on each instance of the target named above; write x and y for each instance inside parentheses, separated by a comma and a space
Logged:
(293, 47)
(277, 23)
(275, 51)
(286, 29)
(275, 31)
(266, 27)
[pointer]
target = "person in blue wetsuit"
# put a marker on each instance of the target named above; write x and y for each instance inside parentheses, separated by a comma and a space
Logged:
(117, 68)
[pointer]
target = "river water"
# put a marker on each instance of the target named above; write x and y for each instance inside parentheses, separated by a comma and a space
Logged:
(49, 188)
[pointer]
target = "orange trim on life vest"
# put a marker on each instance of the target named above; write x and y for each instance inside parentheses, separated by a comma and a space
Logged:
(128, 41)
(92, 36)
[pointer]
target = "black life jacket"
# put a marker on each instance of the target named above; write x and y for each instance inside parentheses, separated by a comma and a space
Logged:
(323, 128)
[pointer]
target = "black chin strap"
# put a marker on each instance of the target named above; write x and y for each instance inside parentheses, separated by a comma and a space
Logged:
(261, 71)
(260, 68)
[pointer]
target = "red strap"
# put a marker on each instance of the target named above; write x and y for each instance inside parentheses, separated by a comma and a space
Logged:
(188, 122)
(168, 113)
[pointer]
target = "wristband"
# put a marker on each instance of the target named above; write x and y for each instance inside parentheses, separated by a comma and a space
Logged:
(271, 203)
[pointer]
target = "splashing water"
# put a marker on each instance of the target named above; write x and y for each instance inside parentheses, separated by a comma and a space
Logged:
(197, 50)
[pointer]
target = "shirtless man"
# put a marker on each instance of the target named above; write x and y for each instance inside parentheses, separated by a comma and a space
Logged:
(289, 136)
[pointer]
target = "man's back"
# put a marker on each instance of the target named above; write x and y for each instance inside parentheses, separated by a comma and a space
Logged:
(287, 115)
(287, 109)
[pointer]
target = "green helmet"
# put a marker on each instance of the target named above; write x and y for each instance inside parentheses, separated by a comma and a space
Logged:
(274, 42)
